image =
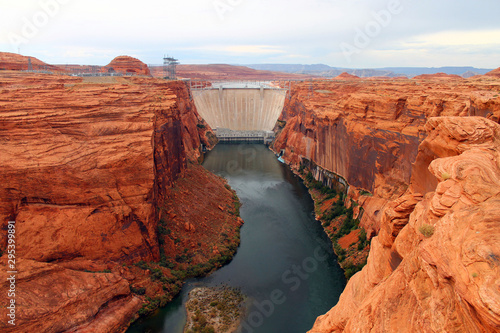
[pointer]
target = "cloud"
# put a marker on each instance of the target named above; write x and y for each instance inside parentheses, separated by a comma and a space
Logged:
(251, 49)
(255, 31)
(459, 38)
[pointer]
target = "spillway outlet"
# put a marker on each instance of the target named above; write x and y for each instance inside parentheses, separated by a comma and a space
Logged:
(226, 135)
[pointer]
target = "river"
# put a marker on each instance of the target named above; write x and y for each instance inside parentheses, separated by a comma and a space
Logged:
(284, 265)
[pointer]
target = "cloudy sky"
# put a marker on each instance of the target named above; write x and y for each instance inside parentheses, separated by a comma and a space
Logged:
(339, 33)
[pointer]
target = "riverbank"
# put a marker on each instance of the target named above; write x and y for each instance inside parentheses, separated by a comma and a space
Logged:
(283, 251)
(335, 212)
(115, 204)
(189, 249)
(339, 216)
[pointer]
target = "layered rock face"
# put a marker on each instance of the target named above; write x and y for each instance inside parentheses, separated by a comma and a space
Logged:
(368, 132)
(17, 62)
(84, 152)
(442, 76)
(433, 168)
(127, 65)
(494, 73)
(84, 166)
(434, 266)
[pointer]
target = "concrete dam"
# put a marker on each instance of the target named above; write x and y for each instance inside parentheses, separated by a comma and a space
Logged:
(240, 110)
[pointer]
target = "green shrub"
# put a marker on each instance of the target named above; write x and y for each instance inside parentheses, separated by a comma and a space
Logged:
(180, 275)
(363, 241)
(350, 269)
(426, 230)
(328, 191)
(301, 168)
(142, 265)
(364, 192)
(162, 230)
(156, 274)
(309, 177)
(338, 249)
(181, 258)
(138, 291)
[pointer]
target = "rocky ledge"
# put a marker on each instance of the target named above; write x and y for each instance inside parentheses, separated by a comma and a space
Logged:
(101, 177)
(214, 309)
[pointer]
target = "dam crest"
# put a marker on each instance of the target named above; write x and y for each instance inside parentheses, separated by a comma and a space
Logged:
(240, 110)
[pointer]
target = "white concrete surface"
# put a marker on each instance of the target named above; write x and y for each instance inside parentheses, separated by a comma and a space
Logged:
(240, 109)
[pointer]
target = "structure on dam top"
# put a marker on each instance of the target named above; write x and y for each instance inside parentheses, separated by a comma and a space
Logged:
(170, 67)
(240, 110)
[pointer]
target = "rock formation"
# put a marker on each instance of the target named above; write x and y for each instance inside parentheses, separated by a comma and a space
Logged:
(443, 76)
(103, 184)
(438, 271)
(432, 166)
(220, 309)
(494, 73)
(346, 76)
(127, 65)
(87, 169)
(17, 62)
(369, 132)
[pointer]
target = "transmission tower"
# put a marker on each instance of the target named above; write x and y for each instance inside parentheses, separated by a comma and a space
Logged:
(169, 67)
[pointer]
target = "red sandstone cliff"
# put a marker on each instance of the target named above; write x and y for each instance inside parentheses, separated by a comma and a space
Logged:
(494, 73)
(127, 65)
(434, 266)
(85, 170)
(346, 76)
(438, 76)
(376, 135)
(17, 62)
(369, 132)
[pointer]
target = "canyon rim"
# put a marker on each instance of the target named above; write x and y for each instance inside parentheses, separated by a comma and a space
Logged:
(111, 210)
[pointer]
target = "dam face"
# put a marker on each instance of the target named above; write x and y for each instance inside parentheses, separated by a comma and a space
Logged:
(240, 109)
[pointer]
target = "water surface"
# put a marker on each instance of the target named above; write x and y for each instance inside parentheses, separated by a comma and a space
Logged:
(284, 264)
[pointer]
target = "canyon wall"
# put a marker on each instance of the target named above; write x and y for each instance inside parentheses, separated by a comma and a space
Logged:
(434, 266)
(85, 164)
(368, 132)
(432, 167)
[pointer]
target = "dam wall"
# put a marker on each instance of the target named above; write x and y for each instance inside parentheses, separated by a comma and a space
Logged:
(240, 109)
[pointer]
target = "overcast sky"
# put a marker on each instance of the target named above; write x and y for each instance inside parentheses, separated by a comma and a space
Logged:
(339, 33)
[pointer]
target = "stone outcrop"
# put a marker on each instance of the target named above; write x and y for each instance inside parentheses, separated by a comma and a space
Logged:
(442, 76)
(127, 65)
(434, 266)
(494, 73)
(369, 132)
(84, 153)
(432, 166)
(85, 168)
(17, 62)
(346, 76)
(56, 299)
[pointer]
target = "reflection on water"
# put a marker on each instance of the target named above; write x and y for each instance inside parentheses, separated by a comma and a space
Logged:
(284, 264)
